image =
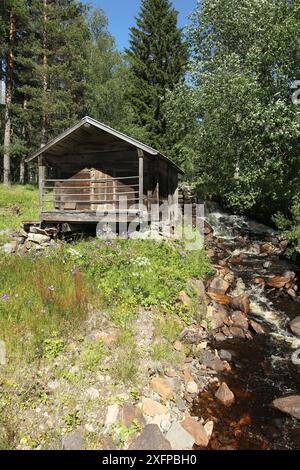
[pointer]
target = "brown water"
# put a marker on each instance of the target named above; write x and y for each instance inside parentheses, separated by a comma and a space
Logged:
(261, 368)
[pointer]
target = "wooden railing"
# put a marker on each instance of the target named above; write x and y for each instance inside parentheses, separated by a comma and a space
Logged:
(86, 194)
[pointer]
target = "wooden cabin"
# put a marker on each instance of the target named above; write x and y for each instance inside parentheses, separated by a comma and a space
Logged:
(88, 171)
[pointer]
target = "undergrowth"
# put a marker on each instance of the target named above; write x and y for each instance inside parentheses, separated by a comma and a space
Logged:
(45, 297)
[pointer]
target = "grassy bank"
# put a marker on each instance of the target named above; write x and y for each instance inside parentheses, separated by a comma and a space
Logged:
(90, 316)
(42, 294)
(17, 203)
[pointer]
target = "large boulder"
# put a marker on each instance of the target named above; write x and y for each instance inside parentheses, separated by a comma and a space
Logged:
(240, 320)
(152, 408)
(241, 303)
(38, 238)
(130, 413)
(211, 361)
(73, 441)
(222, 299)
(162, 387)
(218, 285)
(295, 326)
(289, 405)
(217, 315)
(151, 438)
(179, 438)
(196, 430)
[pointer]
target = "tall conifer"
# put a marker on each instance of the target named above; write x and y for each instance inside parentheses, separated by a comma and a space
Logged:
(158, 58)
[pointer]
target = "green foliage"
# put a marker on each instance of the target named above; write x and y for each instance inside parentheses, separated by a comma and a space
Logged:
(164, 352)
(107, 72)
(245, 57)
(166, 330)
(290, 228)
(53, 346)
(157, 58)
(126, 358)
(181, 112)
(139, 274)
(91, 356)
(167, 327)
(121, 433)
(72, 420)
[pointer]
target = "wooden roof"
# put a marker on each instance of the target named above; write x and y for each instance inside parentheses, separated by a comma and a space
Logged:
(88, 121)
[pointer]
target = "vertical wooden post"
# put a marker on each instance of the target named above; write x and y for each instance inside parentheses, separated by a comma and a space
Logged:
(141, 179)
(156, 182)
(42, 174)
(176, 205)
(155, 196)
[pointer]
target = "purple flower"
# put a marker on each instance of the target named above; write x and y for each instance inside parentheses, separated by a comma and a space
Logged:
(5, 297)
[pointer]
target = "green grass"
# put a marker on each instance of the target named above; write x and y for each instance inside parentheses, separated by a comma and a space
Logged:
(43, 294)
(126, 357)
(17, 203)
(166, 330)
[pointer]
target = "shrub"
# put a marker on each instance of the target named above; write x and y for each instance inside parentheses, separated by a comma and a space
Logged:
(290, 228)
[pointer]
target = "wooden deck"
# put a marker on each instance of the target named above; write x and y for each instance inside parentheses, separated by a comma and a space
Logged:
(93, 216)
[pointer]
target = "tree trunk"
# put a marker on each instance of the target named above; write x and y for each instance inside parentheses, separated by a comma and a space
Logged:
(44, 80)
(23, 158)
(8, 101)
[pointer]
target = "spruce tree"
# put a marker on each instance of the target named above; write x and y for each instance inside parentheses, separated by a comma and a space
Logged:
(157, 57)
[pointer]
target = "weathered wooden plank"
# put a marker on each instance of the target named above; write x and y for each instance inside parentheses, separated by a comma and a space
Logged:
(42, 175)
(89, 180)
(88, 216)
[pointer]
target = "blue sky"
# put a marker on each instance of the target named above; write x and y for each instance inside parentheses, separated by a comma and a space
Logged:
(121, 15)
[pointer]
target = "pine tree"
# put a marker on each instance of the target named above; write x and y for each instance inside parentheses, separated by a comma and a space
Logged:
(54, 67)
(157, 57)
(12, 27)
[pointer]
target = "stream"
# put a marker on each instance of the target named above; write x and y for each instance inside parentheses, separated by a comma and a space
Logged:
(261, 368)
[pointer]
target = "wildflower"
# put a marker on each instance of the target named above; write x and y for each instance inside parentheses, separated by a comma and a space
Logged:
(141, 261)
(5, 297)
(52, 288)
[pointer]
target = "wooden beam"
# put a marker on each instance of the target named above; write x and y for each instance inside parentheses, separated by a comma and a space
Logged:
(156, 182)
(141, 178)
(42, 175)
(89, 216)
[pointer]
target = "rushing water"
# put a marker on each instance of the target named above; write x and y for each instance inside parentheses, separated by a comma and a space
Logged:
(262, 369)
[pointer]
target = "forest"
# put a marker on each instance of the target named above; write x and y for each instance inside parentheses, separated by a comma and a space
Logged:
(219, 97)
